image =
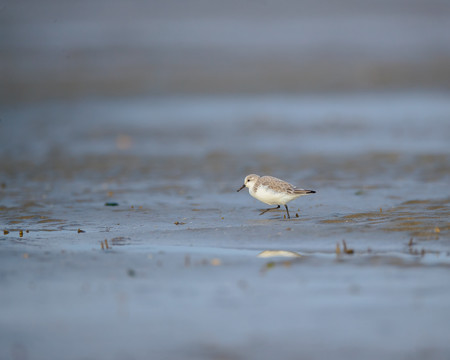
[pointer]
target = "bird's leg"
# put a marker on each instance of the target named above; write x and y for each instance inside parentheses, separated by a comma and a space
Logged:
(266, 210)
(287, 210)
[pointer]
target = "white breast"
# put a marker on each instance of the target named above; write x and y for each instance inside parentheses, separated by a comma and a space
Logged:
(270, 197)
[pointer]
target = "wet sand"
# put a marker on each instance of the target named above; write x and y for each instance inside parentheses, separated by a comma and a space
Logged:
(126, 129)
(123, 236)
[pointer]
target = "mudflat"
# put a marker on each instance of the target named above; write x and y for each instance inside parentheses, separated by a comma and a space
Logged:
(123, 236)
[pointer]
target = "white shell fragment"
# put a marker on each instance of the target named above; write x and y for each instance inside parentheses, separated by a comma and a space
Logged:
(278, 253)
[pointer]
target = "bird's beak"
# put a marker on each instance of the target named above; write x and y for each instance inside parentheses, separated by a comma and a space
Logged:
(243, 186)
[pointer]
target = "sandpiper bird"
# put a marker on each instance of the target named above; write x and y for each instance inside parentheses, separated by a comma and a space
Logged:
(272, 191)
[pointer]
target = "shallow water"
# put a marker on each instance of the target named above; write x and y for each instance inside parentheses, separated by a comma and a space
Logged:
(173, 270)
(126, 129)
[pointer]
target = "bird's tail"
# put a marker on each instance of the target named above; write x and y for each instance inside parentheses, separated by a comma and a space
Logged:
(303, 192)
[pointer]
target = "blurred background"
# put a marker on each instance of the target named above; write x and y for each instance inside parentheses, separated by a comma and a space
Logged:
(210, 79)
(161, 108)
(73, 49)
